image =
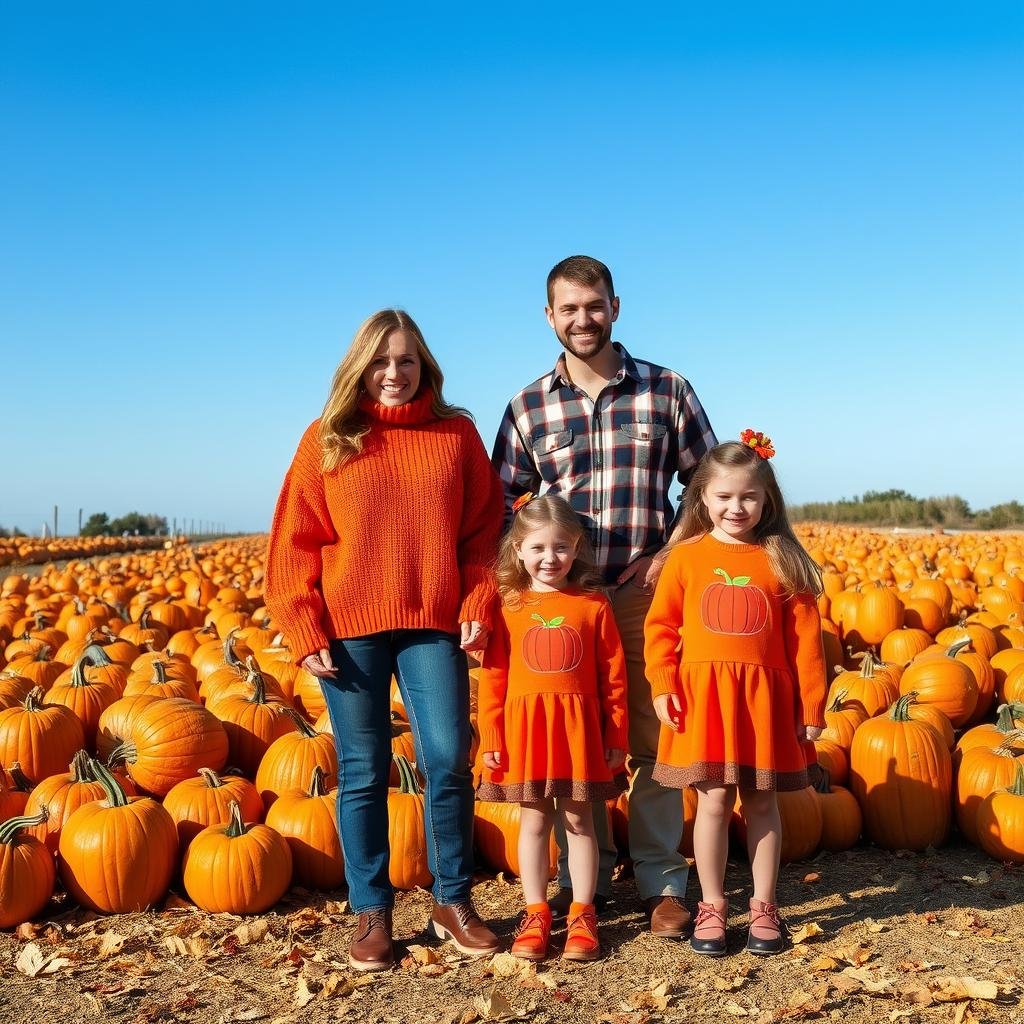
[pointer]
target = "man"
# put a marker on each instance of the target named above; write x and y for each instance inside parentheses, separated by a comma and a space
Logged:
(609, 433)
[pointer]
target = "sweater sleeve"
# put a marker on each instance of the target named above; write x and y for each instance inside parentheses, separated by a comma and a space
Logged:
(478, 532)
(300, 529)
(611, 680)
(661, 628)
(491, 690)
(801, 626)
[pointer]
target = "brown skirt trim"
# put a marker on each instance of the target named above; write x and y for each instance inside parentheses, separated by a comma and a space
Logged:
(549, 789)
(742, 775)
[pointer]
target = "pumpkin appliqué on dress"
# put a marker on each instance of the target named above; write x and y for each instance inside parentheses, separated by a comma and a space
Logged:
(552, 646)
(734, 607)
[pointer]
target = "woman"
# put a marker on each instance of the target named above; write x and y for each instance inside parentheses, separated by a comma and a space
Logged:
(378, 565)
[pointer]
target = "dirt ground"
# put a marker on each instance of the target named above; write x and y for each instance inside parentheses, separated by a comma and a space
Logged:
(877, 937)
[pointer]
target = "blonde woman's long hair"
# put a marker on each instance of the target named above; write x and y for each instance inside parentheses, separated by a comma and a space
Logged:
(342, 426)
(793, 567)
(548, 510)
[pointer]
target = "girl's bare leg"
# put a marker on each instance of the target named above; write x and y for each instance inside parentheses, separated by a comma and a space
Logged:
(535, 824)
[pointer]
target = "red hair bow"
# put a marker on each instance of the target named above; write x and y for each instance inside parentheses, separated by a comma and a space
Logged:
(761, 443)
(523, 499)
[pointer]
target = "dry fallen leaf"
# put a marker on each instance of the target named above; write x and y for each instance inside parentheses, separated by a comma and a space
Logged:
(303, 995)
(175, 945)
(31, 960)
(951, 990)
(812, 876)
(505, 965)
(493, 1006)
(732, 984)
(805, 932)
(734, 1009)
(335, 984)
(871, 983)
(251, 931)
(110, 943)
(823, 963)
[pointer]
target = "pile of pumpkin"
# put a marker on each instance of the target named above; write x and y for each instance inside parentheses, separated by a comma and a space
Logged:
(129, 684)
(37, 550)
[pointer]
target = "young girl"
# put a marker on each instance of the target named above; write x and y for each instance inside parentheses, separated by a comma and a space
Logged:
(552, 711)
(747, 687)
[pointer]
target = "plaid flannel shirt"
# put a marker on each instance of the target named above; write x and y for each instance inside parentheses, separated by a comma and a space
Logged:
(613, 460)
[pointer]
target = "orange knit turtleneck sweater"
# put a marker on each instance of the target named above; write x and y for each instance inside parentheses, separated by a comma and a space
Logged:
(401, 536)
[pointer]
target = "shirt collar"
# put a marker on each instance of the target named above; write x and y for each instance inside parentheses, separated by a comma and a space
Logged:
(560, 378)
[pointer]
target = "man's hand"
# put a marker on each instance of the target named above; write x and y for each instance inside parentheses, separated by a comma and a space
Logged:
(669, 710)
(643, 573)
(320, 664)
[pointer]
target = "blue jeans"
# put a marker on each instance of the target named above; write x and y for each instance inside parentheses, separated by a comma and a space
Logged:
(432, 675)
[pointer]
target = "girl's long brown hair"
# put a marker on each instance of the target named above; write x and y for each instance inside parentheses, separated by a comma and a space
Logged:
(548, 510)
(342, 425)
(795, 569)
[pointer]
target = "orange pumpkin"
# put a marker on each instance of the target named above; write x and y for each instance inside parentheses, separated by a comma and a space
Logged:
(406, 832)
(205, 800)
(1000, 821)
(42, 737)
(27, 872)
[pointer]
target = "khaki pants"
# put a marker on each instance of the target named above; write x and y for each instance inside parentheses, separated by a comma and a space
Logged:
(655, 813)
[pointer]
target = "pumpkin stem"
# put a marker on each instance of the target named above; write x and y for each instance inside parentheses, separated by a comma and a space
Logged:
(21, 781)
(124, 751)
(236, 827)
(899, 711)
(837, 703)
(316, 782)
(1017, 789)
(34, 700)
(211, 778)
(301, 724)
(259, 684)
(159, 674)
(229, 652)
(725, 576)
(406, 776)
(1009, 746)
(81, 768)
(116, 796)
(9, 829)
(953, 650)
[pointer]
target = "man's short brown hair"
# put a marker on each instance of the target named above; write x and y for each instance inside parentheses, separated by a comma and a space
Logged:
(583, 270)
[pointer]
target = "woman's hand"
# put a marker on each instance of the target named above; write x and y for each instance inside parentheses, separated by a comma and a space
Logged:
(320, 664)
(669, 710)
(492, 760)
(474, 636)
(615, 759)
(809, 732)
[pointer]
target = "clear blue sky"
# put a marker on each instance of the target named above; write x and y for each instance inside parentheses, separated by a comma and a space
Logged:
(812, 211)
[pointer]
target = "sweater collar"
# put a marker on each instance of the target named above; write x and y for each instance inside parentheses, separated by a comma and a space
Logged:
(414, 412)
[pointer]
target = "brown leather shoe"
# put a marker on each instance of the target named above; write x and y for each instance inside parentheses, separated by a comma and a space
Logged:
(370, 948)
(669, 917)
(460, 925)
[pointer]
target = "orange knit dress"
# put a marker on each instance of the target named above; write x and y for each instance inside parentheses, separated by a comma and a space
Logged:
(746, 662)
(552, 699)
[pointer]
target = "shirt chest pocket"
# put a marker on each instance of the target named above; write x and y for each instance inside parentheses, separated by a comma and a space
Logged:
(647, 441)
(553, 454)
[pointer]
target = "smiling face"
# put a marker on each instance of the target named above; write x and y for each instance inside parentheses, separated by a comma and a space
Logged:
(547, 553)
(734, 500)
(393, 376)
(581, 316)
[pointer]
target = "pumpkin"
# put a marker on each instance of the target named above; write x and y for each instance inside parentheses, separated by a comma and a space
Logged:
(197, 803)
(841, 817)
(14, 791)
(13, 689)
(944, 681)
(42, 737)
(116, 723)
(1000, 821)
(801, 818)
(879, 613)
(901, 775)
(291, 758)
(307, 820)
(842, 718)
(251, 720)
(86, 693)
(27, 871)
(981, 637)
(983, 770)
(833, 758)
(407, 838)
(237, 868)
(873, 688)
(117, 855)
(169, 741)
(903, 645)
(61, 795)
(931, 715)
(1009, 717)
(163, 678)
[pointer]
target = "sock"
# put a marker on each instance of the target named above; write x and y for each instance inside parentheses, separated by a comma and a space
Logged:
(538, 908)
(578, 908)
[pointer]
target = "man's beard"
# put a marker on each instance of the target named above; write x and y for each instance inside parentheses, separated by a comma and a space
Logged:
(603, 340)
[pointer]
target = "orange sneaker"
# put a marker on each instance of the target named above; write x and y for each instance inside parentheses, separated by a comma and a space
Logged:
(582, 942)
(531, 942)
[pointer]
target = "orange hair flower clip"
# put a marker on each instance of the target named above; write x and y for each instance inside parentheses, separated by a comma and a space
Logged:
(523, 499)
(761, 443)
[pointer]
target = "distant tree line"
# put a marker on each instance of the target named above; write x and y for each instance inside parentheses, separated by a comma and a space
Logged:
(898, 508)
(99, 524)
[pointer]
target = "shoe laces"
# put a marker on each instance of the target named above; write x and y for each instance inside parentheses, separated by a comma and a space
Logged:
(535, 924)
(375, 919)
(466, 913)
(767, 912)
(708, 912)
(585, 922)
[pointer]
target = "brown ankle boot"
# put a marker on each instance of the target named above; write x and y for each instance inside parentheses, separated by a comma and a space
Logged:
(460, 924)
(370, 948)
